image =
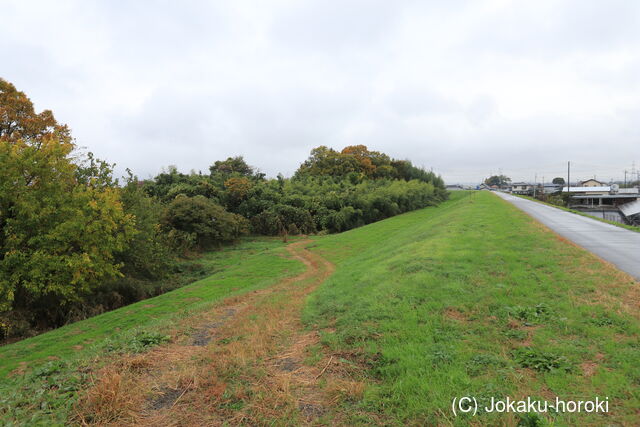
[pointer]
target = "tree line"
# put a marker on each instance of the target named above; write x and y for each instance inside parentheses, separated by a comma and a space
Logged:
(76, 241)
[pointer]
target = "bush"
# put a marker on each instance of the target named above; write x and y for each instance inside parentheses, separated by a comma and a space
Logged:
(199, 220)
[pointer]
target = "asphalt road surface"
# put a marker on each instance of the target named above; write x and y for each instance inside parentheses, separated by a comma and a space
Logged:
(617, 245)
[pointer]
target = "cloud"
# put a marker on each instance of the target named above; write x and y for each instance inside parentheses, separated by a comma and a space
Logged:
(465, 87)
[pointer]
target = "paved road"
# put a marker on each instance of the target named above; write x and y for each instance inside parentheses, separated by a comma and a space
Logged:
(614, 244)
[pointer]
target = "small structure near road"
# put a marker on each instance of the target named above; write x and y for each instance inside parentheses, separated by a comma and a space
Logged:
(631, 211)
(604, 201)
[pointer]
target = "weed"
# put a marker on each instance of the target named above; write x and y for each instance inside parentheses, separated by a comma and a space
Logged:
(137, 341)
(541, 361)
(49, 369)
(531, 419)
(441, 357)
(530, 315)
(607, 320)
(42, 397)
(517, 334)
(603, 321)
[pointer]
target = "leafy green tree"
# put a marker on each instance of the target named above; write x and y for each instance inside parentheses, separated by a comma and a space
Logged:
(148, 255)
(499, 180)
(357, 162)
(170, 183)
(558, 181)
(58, 233)
(237, 189)
(326, 161)
(234, 166)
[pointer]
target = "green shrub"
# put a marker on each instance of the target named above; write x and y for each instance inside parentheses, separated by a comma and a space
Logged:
(200, 219)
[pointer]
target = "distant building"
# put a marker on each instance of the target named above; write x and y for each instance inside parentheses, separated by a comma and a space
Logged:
(601, 196)
(454, 187)
(632, 190)
(522, 188)
(591, 183)
(589, 190)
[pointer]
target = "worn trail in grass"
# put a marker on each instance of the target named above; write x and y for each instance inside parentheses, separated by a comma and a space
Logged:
(253, 264)
(248, 361)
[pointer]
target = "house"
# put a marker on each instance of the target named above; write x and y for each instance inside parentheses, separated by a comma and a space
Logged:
(521, 188)
(591, 197)
(454, 187)
(591, 183)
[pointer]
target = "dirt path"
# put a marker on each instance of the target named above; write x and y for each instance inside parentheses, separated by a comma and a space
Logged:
(249, 361)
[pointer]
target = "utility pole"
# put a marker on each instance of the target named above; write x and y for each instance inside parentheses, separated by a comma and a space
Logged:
(568, 177)
(625, 177)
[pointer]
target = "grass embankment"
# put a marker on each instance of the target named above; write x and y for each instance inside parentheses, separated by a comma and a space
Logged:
(39, 375)
(617, 224)
(473, 298)
(241, 268)
(470, 298)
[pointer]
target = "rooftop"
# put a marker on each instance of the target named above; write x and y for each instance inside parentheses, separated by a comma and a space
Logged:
(607, 196)
(585, 189)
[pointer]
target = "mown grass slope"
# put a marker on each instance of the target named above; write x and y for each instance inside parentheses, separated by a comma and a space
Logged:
(41, 377)
(470, 298)
(473, 298)
(251, 265)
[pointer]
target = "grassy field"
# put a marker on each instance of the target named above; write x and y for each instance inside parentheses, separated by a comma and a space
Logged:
(474, 299)
(470, 298)
(41, 374)
(249, 266)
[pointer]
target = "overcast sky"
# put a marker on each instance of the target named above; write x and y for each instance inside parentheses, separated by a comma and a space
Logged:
(467, 88)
